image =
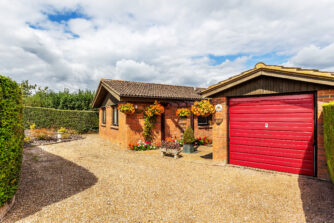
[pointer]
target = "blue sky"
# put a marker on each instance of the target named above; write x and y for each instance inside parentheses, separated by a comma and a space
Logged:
(73, 44)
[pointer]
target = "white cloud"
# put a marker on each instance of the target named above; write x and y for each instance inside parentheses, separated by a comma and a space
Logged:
(314, 57)
(159, 41)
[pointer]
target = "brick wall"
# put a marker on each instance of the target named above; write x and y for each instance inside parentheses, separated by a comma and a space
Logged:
(219, 131)
(323, 97)
(131, 127)
(114, 133)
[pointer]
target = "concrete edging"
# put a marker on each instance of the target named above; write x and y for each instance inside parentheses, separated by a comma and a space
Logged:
(5, 208)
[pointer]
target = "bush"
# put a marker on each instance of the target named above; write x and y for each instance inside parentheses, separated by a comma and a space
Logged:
(189, 137)
(328, 114)
(11, 137)
(42, 134)
(81, 121)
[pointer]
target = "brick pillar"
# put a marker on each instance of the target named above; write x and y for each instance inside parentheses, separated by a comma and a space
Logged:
(219, 131)
(323, 96)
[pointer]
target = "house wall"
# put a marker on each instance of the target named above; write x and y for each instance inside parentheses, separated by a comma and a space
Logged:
(116, 134)
(131, 127)
(220, 131)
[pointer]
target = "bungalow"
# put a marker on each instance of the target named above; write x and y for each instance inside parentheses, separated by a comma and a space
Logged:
(125, 129)
(268, 117)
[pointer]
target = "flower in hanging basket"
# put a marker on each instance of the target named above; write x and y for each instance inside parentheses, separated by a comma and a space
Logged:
(155, 109)
(127, 108)
(203, 108)
(183, 112)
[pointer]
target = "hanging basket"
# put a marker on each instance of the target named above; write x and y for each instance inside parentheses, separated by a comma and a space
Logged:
(128, 108)
(202, 108)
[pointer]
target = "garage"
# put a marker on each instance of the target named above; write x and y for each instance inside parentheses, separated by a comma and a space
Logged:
(270, 117)
(273, 132)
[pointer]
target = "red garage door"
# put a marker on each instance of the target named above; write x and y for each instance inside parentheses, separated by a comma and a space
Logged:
(274, 133)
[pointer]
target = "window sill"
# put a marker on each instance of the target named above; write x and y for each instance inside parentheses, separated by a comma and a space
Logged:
(103, 125)
(114, 127)
(205, 127)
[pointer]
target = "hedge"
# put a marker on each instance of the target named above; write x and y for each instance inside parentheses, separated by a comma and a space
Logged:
(81, 121)
(11, 137)
(328, 115)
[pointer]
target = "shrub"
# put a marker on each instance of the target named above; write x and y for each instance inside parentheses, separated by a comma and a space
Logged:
(11, 137)
(189, 137)
(66, 136)
(27, 139)
(81, 121)
(32, 126)
(42, 134)
(62, 130)
(328, 114)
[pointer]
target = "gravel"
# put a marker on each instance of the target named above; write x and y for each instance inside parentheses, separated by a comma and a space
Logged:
(91, 180)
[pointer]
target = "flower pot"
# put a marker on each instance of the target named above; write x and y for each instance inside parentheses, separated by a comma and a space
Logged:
(188, 148)
(59, 136)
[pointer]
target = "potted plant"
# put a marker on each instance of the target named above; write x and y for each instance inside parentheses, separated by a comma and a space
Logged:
(203, 108)
(170, 147)
(183, 112)
(60, 133)
(127, 108)
(188, 140)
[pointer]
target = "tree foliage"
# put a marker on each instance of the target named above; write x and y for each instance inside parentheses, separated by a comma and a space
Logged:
(44, 97)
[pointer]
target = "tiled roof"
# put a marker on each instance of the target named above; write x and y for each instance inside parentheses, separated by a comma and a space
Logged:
(151, 90)
(311, 73)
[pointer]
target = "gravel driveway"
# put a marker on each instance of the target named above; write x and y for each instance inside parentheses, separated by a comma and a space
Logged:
(91, 180)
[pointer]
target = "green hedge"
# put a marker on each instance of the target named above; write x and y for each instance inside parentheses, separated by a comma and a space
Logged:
(81, 121)
(328, 115)
(11, 137)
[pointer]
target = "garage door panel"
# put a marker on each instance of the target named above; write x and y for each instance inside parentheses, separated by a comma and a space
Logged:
(281, 98)
(272, 143)
(281, 161)
(272, 109)
(273, 132)
(302, 171)
(277, 126)
(286, 135)
(272, 151)
(297, 117)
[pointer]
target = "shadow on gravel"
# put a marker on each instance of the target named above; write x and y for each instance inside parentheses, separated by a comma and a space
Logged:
(47, 179)
(318, 199)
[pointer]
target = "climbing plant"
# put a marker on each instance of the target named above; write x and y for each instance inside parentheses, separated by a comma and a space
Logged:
(150, 117)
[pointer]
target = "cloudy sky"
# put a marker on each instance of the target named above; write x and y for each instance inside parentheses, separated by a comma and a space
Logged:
(73, 44)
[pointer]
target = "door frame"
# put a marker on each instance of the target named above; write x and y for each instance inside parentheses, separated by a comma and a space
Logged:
(315, 133)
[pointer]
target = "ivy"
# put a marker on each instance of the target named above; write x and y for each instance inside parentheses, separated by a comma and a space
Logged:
(150, 114)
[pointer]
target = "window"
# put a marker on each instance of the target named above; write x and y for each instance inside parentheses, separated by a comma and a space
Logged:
(104, 115)
(114, 116)
(204, 121)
